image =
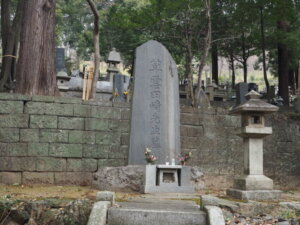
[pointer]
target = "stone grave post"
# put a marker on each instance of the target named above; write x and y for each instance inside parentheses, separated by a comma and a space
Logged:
(155, 105)
(253, 185)
(241, 90)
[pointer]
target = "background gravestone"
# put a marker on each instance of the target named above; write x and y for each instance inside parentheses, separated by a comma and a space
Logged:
(119, 86)
(60, 60)
(241, 91)
(155, 105)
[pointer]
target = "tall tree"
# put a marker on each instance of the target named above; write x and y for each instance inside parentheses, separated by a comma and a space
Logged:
(96, 47)
(10, 33)
(36, 67)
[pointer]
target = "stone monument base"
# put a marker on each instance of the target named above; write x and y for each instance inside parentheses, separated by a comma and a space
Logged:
(167, 179)
(253, 182)
(254, 194)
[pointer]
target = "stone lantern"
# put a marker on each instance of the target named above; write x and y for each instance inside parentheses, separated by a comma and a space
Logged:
(114, 59)
(253, 184)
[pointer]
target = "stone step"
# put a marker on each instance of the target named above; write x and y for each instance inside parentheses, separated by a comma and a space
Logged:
(156, 212)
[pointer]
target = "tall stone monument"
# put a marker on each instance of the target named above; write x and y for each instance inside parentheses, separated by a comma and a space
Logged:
(155, 105)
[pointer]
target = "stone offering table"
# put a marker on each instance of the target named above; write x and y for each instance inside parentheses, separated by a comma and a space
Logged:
(167, 178)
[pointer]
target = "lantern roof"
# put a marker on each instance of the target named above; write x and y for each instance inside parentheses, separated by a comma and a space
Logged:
(254, 104)
(114, 56)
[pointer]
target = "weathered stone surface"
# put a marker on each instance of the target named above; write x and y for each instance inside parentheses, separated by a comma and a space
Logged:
(82, 137)
(70, 123)
(96, 124)
(29, 135)
(47, 164)
(254, 195)
(9, 135)
(38, 149)
(15, 97)
(95, 151)
(111, 162)
(10, 178)
(65, 150)
(73, 178)
(118, 152)
(209, 200)
(215, 215)
(99, 213)
(108, 138)
(53, 135)
(63, 99)
(82, 165)
(17, 164)
(105, 112)
(11, 107)
(13, 149)
(38, 178)
(155, 106)
(125, 114)
(82, 110)
(37, 121)
(125, 139)
(106, 196)
(42, 98)
(128, 178)
(49, 108)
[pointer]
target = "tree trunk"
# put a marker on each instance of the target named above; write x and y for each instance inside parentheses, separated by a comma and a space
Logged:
(263, 48)
(298, 79)
(283, 67)
(245, 68)
(36, 67)
(96, 47)
(10, 36)
(214, 63)
(232, 71)
(207, 44)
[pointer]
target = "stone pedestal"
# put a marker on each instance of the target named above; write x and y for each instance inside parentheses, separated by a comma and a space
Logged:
(167, 179)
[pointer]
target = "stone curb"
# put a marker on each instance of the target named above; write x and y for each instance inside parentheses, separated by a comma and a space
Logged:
(215, 215)
(98, 214)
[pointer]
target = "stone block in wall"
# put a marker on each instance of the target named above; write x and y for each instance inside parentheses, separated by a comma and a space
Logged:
(65, 150)
(14, 120)
(118, 152)
(105, 112)
(96, 124)
(9, 135)
(98, 102)
(189, 119)
(11, 107)
(65, 99)
(112, 162)
(49, 164)
(38, 178)
(10, 178)
(38, 149)
(125, 139)
(17, 164)
(14, 97)
(121, 104)
(229, 121)
(195, 131)
(70, 123)
(43, 98)
(124, 126)
(96, 151)
(217, 182)
(73, 178)
(82, 110)
(108, 138)
(82, 165)
(114, 125)
(183, 130)
(283, 147)
(189, 142)
(125, 114)
(82, 137)
(42, 121)
(53, 135)
(49, 108)
(29, 135)
(13, 149)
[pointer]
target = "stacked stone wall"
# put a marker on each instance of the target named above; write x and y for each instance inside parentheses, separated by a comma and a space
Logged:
(65, 140)
(60, 140)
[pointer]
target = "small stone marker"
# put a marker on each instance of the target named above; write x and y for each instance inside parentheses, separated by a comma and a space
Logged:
(119, 81)
(60, 60)
(155, 106)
